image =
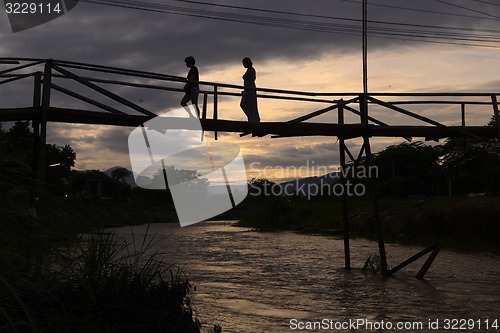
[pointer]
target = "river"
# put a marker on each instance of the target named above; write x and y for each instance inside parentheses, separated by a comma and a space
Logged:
(273, 282)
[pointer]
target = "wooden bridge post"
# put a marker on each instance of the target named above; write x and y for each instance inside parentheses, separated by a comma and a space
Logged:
(463, 123)
(496, 112)
(42, 158)
(204, 108)
(35, 124)
(463, 114)
(363, 102)
(216, 111)
(203, 114)
(345, 213)
(34, 196)
(42, 155)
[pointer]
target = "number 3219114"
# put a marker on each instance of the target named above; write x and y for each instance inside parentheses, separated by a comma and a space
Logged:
(32, 8)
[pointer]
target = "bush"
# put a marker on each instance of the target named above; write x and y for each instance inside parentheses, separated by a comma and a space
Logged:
(100, 284)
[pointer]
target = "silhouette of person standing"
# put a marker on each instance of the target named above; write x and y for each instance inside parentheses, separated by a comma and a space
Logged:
(192, 89)
(249, 96)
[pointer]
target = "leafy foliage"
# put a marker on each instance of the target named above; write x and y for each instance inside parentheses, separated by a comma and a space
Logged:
(102, 285)
(407, 168)
(97, 183)
(52, 281)
(473, 164)
(469, 165)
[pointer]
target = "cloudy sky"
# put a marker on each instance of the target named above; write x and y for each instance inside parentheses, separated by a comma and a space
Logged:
(318, 50)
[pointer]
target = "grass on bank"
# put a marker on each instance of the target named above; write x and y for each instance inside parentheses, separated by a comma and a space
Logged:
(61, 274)
(98, 286)
(459, 223)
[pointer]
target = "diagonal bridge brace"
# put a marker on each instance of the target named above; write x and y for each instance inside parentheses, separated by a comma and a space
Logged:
(339, 104)
(419, 117)
(102, 91)
(433, 249)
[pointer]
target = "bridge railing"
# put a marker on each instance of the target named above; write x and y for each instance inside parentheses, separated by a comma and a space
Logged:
(45, 70)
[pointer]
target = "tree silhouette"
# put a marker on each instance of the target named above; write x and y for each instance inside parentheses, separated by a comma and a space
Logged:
(120, 173)
(473, 165)
(407, 168)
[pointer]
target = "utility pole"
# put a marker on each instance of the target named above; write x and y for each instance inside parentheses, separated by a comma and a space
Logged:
(365, 48)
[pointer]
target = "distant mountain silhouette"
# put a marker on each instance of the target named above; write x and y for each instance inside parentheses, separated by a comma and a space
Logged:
(299, 184)
(302, 184)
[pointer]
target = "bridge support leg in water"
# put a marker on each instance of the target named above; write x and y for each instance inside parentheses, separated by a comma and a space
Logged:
(363, 108)
(345, 213)
(366, 150)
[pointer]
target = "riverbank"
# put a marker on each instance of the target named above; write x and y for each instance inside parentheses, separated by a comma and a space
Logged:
(61, 273)
(458, 223)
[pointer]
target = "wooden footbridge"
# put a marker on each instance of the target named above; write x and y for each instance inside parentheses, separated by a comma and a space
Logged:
(55, 86)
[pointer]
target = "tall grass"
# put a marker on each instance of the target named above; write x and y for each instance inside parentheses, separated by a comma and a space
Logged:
(100, 284)
(87, 281)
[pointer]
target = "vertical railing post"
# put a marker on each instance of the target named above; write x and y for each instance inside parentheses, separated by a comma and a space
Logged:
(215, 111)
(463, 114)
(363, 109)
(345, 213)
(463, 123)
(495, 111)
(204, 112)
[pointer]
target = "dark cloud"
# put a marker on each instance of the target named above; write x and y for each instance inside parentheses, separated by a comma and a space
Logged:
(322, 154)
(114, 137)
(159, 42)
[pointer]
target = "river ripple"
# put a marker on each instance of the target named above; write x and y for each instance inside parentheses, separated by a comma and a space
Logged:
(250, 281)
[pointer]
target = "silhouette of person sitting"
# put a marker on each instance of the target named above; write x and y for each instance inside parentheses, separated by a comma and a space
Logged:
(249, 96)
(191, 89)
